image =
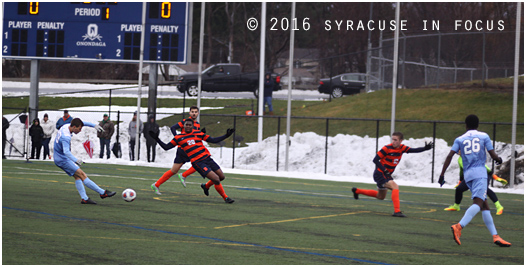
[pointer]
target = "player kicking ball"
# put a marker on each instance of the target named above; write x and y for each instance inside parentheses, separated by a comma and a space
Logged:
(191, 141)
(472, 146)
(71, 165)
(386, 161)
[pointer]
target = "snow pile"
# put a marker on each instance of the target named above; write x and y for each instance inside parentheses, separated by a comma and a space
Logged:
(349, 157)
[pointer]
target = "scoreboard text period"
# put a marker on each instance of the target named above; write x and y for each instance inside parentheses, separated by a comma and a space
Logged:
(104, 32)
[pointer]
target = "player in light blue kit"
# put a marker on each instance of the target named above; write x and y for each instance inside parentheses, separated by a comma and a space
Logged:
(472, 146)
(71, 165)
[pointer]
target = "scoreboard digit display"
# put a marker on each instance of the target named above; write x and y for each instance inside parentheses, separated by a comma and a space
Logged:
(103, 32)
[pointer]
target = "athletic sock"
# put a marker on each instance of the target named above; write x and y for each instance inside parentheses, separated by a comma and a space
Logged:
(220, 190)
(93, 186)
(367, 192)
(395, 197)
(188, 172)
(81, 189)
(468, 216)
(458, 195)
(209, 184)
(164, 178)
(488, 220)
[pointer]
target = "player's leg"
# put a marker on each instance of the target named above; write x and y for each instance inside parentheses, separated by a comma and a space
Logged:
(380, 180)
(188, 172)
(219, 188)
(395, 197)
(459, 191)
(495, 199)
(165, 177)
(478, 189)
(181, 158)
(71, 169)
(92, 185)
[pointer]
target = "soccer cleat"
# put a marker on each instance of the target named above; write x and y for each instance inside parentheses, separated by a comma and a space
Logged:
(156, 189)
(108, 193)
(205, 190)
(399, 214)
(498, 179)
(456, 229)
(182, 180)
(354, 192)
(500, 242)
(500, 210)
(229, 200)
(89, 201)
(454, 207)
(458, 184)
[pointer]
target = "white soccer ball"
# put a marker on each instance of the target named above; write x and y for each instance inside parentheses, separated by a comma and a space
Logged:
(129, 195)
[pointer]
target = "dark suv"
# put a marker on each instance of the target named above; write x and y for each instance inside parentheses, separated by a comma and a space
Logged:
(343, 84)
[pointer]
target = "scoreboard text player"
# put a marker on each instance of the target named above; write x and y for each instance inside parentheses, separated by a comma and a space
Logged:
(104, 32)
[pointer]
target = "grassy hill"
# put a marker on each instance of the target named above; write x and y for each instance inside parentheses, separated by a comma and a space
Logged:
(356, 114)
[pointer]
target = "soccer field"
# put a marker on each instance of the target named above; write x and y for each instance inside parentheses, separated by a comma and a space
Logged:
(274, 221)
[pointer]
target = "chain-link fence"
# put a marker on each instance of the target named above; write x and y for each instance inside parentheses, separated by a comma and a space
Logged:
(433, 68)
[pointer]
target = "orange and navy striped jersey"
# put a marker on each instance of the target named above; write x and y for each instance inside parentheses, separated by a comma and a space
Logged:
(180, 126)
(390, 156)
(192, 144)
(197, 126)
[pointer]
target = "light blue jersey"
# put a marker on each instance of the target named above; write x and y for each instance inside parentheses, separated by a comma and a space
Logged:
(472, 146)
(62, 156)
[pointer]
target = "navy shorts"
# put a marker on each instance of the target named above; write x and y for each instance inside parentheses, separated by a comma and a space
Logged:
(380, 179)
(181, 157)
(205, 166)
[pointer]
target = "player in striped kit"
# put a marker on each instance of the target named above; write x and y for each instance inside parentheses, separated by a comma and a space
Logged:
(180, 156)
(386, 161)
(191, 141)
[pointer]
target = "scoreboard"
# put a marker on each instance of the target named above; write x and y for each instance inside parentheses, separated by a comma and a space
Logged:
(93, 31)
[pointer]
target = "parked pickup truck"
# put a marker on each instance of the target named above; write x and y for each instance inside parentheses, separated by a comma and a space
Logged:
(223, 78)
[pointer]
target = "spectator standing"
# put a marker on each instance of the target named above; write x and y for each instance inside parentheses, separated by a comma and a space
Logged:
(105, 136)
(132, 131)
(268, 88)
(37, 134)
(150, 126)
(49, 128)
(64, 120)
(5, 125)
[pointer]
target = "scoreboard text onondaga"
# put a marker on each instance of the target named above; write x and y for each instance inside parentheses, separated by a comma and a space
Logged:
(104, 32)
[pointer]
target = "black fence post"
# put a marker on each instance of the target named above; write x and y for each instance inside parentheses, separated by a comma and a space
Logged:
(433, 159)
(277, 156)
(326, 142)
(234, 143)
(109, 105)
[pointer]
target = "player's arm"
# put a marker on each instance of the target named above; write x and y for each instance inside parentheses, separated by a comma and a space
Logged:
(378, 164)
(176, 127)
(66, 151)
(155, 135)
(427, 146)
(446, 165)
(218, 139)
(93, 125)
(495, 157)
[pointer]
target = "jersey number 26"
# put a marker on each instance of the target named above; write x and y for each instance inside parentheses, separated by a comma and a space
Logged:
(471, 146)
